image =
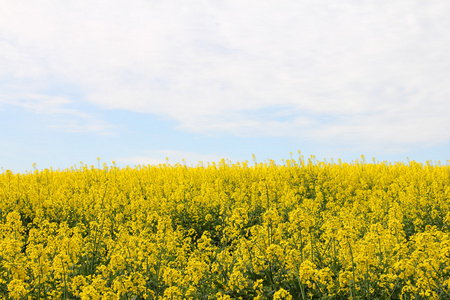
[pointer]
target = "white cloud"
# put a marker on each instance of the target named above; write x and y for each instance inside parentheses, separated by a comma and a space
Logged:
(171, 156)
(377, 71)
(64, 118)
(38, 103)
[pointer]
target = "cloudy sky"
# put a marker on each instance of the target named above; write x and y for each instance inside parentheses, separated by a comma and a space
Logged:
(141, 80)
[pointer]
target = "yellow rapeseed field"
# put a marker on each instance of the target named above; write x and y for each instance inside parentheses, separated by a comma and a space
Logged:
(300, 230)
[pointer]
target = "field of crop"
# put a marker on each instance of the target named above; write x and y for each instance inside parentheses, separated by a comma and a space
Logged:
(301, 230)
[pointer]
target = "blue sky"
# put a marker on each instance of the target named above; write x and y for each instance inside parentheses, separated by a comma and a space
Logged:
(138, 81)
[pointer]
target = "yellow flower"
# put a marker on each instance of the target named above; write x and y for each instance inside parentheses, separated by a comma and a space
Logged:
(282, 294)
(17, 289)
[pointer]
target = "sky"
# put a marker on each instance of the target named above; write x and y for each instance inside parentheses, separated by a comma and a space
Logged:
(139, 81)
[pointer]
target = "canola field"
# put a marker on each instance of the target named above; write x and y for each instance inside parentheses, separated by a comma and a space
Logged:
(299, 230)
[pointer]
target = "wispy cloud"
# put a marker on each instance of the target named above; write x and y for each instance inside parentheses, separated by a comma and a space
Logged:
(379, 69)
(63, 117)
(39, 103)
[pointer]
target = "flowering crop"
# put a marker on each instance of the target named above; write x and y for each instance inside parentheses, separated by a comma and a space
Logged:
(300, 230)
